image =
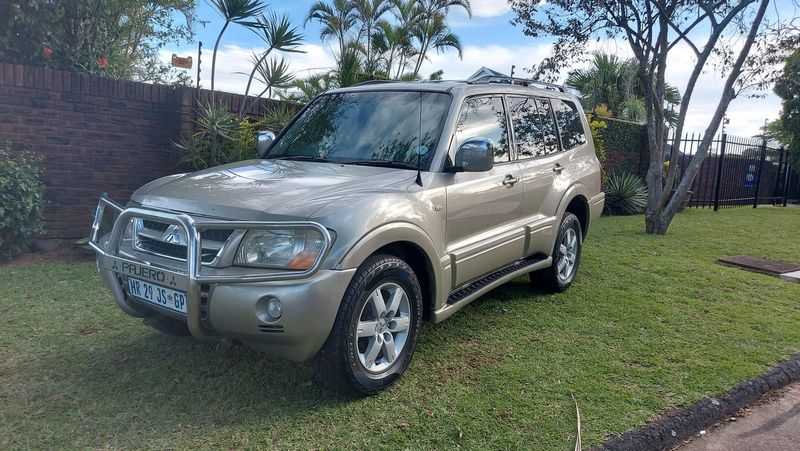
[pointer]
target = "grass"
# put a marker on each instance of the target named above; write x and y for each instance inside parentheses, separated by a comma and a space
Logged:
(651, 323)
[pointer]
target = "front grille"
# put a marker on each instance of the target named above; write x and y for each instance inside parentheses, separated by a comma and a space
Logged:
(153, 237)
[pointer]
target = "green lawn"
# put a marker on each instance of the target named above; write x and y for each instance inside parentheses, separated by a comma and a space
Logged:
(651, 323)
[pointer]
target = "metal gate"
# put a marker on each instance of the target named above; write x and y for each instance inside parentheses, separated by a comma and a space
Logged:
(740, 172)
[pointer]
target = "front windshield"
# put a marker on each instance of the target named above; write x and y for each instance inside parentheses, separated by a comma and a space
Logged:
(377, 127)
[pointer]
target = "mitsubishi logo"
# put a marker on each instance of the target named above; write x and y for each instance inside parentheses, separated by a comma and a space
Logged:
(174, 235)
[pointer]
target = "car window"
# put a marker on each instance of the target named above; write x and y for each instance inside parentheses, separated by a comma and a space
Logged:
(548, 127)
(392, 126)
(569, 124)
(528, 117)
(484, 117)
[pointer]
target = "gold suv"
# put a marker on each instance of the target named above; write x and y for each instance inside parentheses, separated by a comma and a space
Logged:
(378, 207)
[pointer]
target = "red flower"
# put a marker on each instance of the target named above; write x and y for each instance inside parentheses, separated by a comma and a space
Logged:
(47, 52)
(102, 63)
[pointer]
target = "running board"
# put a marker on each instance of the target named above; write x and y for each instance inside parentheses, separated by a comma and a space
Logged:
(470, 291)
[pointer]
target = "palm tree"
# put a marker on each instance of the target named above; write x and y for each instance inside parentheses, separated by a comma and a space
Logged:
(368, 13)
(435, 34)
(278, 34)
(392, 42)
(408, 13)
(613, 83)
(309, 87)
(233, 11)
(336, 20)
(433, 12)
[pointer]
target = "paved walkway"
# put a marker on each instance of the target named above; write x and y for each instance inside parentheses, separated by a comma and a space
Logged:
(773, 426)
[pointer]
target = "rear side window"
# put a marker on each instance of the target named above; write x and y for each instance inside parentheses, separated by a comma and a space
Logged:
(484, 117)
(569, 124)
(534, 128)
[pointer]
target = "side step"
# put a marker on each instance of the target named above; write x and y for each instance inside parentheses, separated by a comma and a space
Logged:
(470, 287)
(470, 291)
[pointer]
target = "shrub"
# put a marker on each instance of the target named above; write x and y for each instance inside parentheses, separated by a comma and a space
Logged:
(626, 194)
(597, 126)
(220, 138)
(624, 136)
(21, 201)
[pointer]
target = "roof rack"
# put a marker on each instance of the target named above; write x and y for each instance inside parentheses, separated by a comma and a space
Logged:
(517, 81)
(375, 82)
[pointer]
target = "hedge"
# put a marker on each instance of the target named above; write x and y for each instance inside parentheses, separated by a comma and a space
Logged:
(624, 136)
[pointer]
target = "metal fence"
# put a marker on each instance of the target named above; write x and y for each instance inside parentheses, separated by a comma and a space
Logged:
(740, 172)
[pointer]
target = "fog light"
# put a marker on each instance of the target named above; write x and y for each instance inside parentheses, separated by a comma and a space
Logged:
(274, 308)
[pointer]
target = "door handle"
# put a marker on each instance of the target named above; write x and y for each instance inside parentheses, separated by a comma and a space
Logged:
(558, 168)
(510, 180)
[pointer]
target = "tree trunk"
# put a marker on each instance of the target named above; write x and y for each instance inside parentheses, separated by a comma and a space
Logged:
(214, 59)
(728, 95)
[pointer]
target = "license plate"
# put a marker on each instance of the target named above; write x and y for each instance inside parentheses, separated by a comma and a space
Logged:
(158, 295)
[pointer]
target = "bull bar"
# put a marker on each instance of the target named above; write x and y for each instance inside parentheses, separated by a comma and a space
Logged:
(110, 259)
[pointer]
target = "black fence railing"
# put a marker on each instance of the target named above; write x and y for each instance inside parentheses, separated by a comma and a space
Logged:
(739, 172)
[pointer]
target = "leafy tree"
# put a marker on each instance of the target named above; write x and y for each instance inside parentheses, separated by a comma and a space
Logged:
(115, 38)
(787, 87)
(652, 29)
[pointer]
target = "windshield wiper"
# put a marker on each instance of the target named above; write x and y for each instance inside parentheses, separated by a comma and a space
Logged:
(383, 163)
(303, 158)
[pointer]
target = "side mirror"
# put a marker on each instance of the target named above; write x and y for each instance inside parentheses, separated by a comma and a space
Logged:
(474, 155)
(263, 141)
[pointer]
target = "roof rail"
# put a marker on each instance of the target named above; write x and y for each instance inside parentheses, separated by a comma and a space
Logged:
(375, 82)
(517, 81)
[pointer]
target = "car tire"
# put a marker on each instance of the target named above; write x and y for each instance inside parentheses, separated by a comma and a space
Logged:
(567, 252)
(381, 311)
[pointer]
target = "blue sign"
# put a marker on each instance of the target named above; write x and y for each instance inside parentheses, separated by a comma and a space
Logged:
(750, 177)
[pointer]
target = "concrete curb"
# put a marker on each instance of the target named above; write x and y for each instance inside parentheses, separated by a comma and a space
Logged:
(682, 423)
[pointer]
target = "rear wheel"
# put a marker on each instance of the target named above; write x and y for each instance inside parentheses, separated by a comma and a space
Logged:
(566, 258)
(376, 329)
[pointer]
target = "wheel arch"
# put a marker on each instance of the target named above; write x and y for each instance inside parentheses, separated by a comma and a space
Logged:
(576, 201)
(412, 245)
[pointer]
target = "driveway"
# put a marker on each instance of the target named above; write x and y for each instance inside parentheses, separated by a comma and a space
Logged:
(774, 425)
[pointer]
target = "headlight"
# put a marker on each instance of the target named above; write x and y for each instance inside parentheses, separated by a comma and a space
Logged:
(280, 248)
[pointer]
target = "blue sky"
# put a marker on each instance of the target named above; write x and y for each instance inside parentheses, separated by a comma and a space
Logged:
(488, 39)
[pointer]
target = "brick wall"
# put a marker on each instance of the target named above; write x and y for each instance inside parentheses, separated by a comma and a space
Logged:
(95, 134)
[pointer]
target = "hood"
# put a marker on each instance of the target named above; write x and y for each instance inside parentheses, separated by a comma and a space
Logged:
(268, 190)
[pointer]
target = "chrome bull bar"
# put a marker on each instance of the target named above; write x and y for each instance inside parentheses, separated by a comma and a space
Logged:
(111, 260)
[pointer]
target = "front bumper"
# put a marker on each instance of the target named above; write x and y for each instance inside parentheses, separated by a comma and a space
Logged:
(220, 302)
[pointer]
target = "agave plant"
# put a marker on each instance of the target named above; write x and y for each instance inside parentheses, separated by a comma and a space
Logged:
(626, 194)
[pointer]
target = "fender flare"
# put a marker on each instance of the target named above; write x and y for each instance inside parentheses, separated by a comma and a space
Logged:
(395, 232)
(575, 190)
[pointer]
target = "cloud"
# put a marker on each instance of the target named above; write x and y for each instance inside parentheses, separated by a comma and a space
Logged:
(489, 8)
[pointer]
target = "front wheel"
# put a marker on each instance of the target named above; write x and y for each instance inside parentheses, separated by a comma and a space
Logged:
(376, 329)
(566, 258)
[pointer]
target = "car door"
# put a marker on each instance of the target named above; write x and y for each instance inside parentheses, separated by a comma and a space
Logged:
(545, 165)
(538, 154)
(483, 208)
